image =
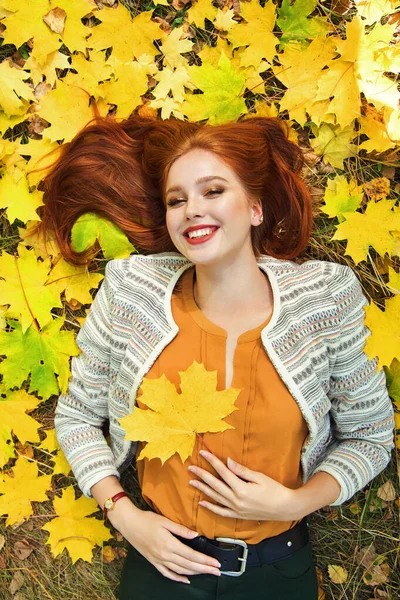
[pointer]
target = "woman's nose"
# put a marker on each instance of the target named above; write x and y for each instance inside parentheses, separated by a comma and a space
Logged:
(194, 208)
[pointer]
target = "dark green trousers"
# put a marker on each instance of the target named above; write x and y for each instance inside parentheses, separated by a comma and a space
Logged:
(292, 578)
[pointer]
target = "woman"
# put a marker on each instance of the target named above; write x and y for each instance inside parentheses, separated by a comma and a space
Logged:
(224, 212)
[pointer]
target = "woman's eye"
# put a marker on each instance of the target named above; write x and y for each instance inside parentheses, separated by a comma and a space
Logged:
(173, 202)
(212, 192)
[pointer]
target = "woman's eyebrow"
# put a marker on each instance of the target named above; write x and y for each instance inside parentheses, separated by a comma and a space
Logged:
(177, 188)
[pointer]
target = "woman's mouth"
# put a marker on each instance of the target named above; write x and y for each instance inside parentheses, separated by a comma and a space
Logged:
(200, 236)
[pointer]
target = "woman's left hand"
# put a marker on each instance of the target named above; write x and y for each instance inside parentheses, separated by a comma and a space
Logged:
(244, 494)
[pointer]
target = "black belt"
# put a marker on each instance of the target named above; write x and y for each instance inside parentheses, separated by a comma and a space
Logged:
(234, 554)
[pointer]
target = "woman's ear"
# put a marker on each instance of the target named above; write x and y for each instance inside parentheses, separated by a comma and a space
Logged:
(257, 213)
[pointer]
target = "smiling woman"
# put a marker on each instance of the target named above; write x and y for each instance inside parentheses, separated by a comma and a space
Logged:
(219, 213)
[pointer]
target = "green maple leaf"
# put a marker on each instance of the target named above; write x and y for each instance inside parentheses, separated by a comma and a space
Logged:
(393, 380)
(341, 196)
(222, 86)
(293, 22)
(44, 354)
(90, 227)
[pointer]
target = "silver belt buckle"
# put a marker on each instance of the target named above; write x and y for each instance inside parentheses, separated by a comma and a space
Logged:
(243, 559)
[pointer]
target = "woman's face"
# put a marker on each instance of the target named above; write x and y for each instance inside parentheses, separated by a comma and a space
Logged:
(201, 190)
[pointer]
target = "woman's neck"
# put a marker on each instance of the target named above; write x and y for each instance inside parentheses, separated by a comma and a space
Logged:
(231, 290)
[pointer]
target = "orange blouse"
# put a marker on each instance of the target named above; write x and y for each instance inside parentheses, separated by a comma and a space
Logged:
(269, 429)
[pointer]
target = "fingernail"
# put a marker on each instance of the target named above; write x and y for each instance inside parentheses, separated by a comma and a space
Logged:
(231, 462)
(203, 452)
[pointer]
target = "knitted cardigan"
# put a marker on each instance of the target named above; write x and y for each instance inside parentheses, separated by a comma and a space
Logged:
(315, 340)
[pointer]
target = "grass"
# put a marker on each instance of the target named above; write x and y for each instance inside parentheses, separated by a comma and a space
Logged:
(336, 532)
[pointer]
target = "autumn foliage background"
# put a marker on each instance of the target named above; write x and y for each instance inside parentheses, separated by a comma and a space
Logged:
(330, 69)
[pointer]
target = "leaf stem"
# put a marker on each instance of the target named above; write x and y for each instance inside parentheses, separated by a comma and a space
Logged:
(35, 323)
(202, 440)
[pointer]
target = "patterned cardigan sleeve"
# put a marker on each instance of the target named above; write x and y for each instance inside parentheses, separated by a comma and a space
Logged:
(81, 412)
(361, 412)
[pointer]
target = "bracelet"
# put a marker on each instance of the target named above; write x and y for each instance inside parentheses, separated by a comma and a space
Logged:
(110, 502)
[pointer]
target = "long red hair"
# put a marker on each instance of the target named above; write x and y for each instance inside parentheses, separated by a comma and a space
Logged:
(119, 169)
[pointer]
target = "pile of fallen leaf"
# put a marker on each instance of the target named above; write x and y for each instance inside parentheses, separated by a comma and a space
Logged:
(329, 68)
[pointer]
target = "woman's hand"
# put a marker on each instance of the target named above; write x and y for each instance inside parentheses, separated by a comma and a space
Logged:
(244, 494)
(152, 535)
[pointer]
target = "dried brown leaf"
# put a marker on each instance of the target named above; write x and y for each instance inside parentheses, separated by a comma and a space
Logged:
(55, 19)
(377, 188)
(366, 556)
(377, 574)
(388, 172)
(41, 90)
(22, 549)
(2, 541)
(16, 582)
(107, 554)
(120, 552)
(387, 491)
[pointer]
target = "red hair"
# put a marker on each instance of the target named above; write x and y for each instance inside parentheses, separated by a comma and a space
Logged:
(118, 170)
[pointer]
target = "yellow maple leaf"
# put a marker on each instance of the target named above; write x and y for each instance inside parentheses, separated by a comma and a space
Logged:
(23, 287)
(374, 125)
(67, 109)
(371, 228)
(55, 60)
(75, 281)
(173, 81)
(43, 154)
(256, 33)
(25, 21)
(374, 10)
(334, 143)
(72, 529)
(128, 37)
(384, 341)
(15, 195)
(33, 237)
(358, 69)
(20, 490)
(173, 46)
(50, 443)
(75, 32)
(222, 100)
(127, 88)
(200, 10)
(13, 89)
(168, 106)
(13, 417)
(7, 121)
(175, 418)
(394, 281)
(211, 55)
(224, 21)
(90, 72)
(341, 197)
(300, 70)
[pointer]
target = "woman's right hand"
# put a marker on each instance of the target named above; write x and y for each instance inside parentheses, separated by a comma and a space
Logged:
(154, 537)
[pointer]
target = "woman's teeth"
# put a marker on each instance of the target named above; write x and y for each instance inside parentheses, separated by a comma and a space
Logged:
(200, 232)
